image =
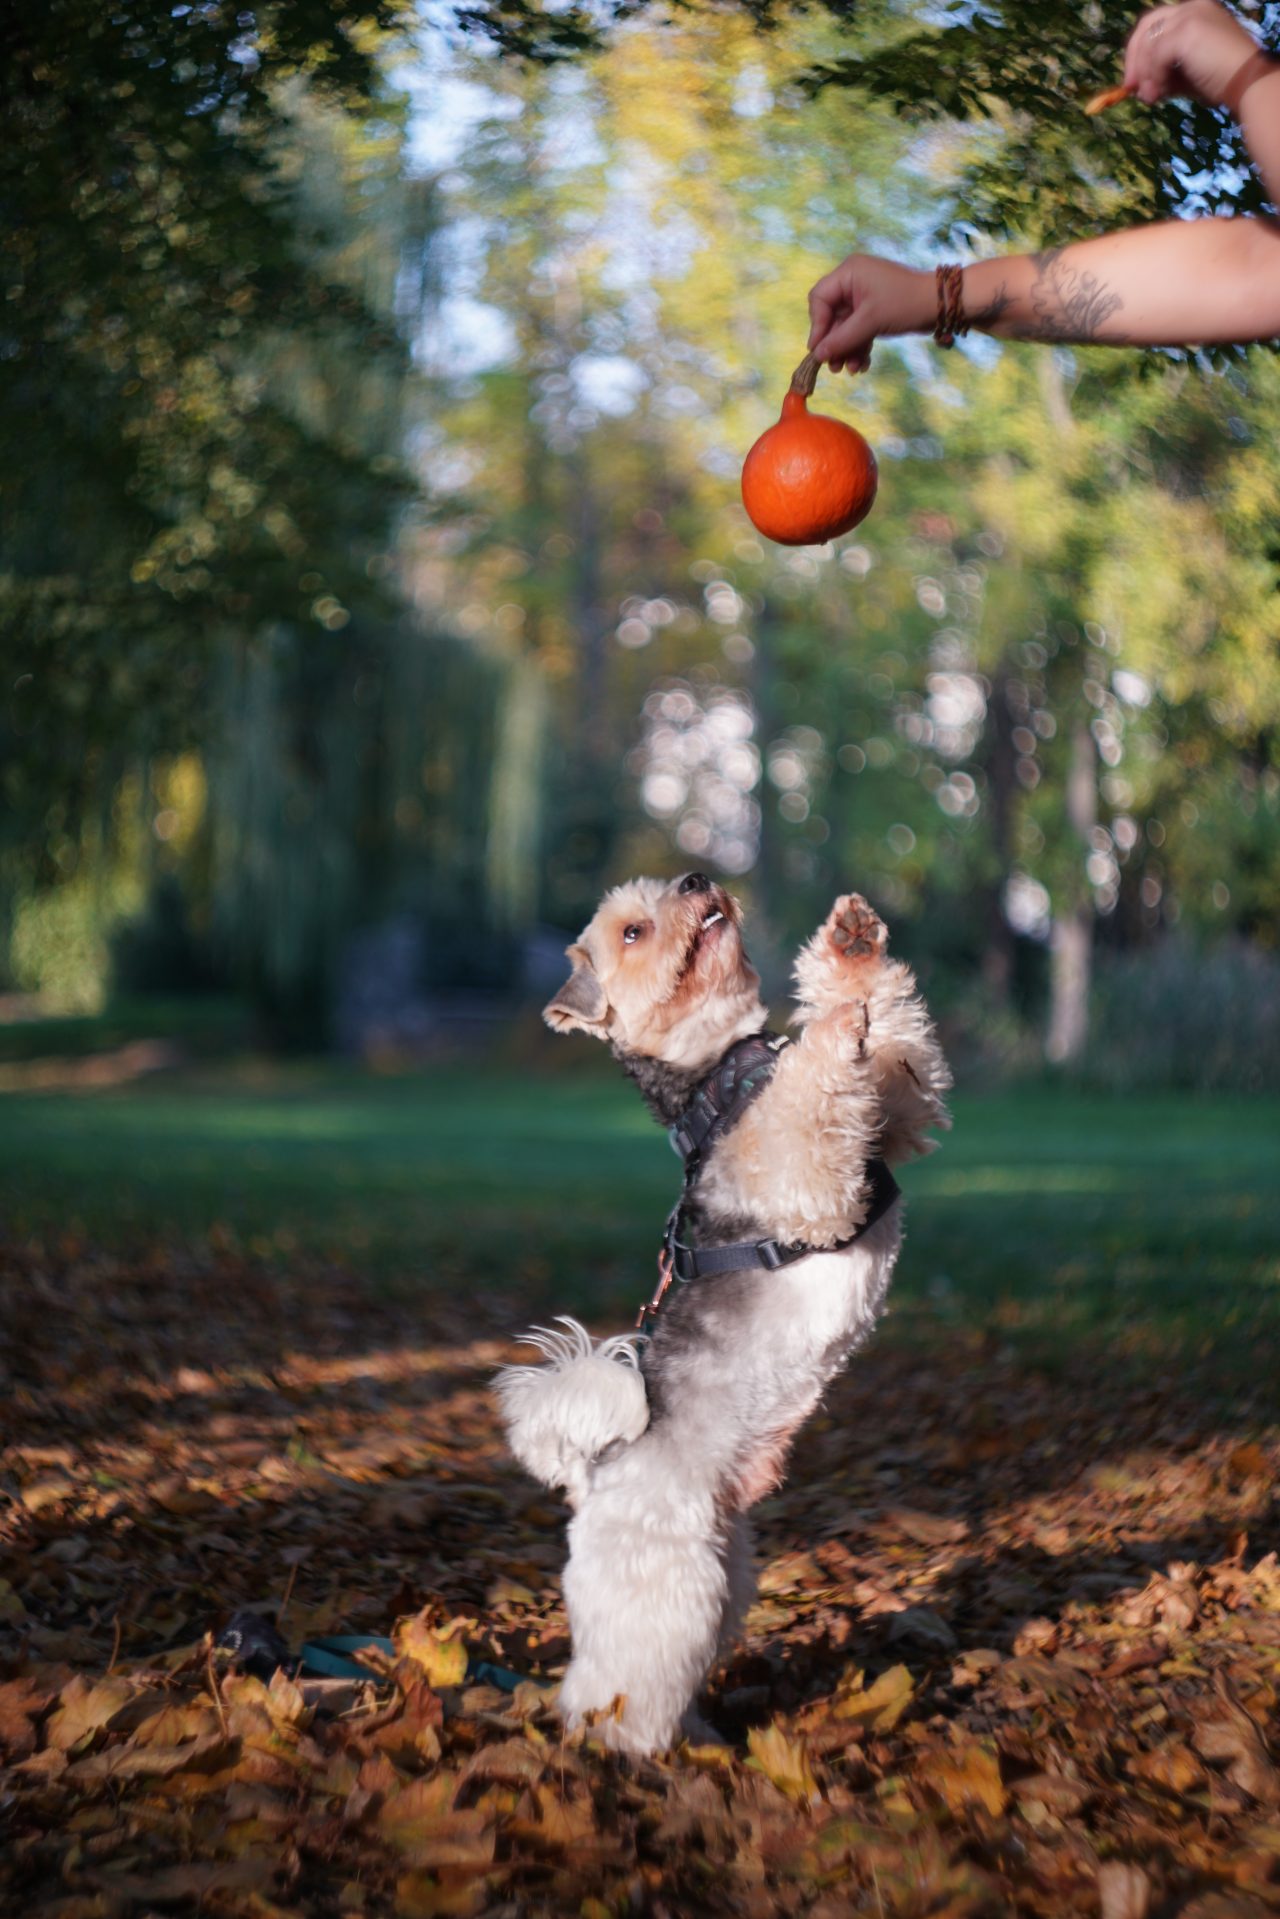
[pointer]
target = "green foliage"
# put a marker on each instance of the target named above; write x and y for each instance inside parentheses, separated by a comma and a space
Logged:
(1042, 170)
(172, 270)
(1182, 1016)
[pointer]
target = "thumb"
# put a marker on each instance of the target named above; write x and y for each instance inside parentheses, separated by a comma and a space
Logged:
(849, 341)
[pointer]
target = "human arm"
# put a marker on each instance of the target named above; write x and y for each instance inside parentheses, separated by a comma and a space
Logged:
(1204, 281)
(1201, 282)
(1199, 47)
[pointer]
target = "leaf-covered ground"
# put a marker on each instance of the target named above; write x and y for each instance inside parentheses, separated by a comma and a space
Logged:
(1017, 1647)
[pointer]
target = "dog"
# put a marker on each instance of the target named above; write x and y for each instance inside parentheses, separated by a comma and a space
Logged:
(786, 1233)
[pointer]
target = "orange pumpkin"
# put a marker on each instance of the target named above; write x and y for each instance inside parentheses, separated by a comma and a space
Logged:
(809, 478)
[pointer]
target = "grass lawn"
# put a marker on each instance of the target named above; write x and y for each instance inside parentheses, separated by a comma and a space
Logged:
(1046, 1212)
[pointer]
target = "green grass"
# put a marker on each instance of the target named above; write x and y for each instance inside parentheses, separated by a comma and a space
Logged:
(199, 1024)
(1046, 1214)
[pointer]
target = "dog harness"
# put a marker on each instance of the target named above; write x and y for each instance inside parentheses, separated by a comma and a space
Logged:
(715, 1108)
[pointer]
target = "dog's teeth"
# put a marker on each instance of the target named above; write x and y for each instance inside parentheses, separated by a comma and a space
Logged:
(711, 919)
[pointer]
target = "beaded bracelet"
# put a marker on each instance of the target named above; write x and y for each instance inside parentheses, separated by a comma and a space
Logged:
(949, 282)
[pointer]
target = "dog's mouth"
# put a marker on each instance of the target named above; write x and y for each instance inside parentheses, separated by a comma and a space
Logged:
(712, 922)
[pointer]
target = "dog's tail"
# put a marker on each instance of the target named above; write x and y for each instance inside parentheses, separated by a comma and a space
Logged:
(587, 1397)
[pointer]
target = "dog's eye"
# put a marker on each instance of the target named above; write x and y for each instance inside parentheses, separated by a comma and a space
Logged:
(631, 935)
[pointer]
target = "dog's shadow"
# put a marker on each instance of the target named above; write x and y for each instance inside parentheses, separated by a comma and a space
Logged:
(999, 1603)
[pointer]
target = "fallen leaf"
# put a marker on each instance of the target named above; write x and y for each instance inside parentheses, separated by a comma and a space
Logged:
(784, 1761)
(1227, 1732)
(21, 1703)
(880, 1705)
(438, 1651)
(154, 1762)
(86, 1710)
(1248, 1462)
(1173, 1767)
(926, 1529)
(1059, 1795)
(969, 1776)
(1124, 1891)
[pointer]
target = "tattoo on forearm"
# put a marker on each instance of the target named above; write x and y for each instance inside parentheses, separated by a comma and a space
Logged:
(994, 308)
(1068, 304)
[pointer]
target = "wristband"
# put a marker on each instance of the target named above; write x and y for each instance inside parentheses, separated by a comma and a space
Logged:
(1254, 68)
(951, 322)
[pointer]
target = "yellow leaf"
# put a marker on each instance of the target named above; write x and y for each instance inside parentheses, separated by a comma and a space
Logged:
(881, 1705)
(421, 1824)
(784, 1761)
(86, 1710)
(419, 1896)
(969, 1776)
(438, 1651)
(285, 1702)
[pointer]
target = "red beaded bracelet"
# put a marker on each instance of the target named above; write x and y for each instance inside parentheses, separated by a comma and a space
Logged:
(951, 322)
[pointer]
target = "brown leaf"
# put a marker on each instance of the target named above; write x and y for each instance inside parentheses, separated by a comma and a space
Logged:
(1227, 1905)
(420, 1823)
(21, 1703)
(1173, 1767)
(1060, 1795)
(1124, 1891)
(1154, 1653)
(514, 1761)
(1248, 1462)
(1038, 1635)
(926, 1529)
(154, 1762)
(1227, 1732)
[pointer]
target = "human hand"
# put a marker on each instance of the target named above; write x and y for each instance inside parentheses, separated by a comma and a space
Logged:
(859, 300)
(1194, 47)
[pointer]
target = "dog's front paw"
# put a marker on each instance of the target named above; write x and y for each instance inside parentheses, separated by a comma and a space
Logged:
(855, 930)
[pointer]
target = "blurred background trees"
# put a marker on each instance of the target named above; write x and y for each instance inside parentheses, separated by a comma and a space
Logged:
(373, 579)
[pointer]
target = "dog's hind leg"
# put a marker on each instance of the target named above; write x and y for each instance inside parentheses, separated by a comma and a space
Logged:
(646, 1588)
(740, 1578)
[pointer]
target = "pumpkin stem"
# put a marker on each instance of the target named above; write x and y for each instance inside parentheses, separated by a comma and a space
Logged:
(805, 377)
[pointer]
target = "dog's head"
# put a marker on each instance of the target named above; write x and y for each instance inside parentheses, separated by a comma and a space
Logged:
(661, 971)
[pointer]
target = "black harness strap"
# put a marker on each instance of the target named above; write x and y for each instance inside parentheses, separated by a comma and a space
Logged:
(714, 1110)
(698, 1262)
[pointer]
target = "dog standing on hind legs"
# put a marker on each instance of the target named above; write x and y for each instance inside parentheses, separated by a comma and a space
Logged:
(786, 1233)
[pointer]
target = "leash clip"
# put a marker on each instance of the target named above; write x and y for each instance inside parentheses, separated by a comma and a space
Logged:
(666, 1269)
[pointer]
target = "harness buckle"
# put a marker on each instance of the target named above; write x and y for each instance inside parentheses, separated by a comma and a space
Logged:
(772, 1256)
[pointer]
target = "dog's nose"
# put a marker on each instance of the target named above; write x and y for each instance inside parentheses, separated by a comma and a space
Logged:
(695, 883)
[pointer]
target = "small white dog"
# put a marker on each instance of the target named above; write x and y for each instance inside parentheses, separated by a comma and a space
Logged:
(786, 1235)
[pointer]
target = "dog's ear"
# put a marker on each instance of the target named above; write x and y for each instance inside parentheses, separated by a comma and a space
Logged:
(581, 1003)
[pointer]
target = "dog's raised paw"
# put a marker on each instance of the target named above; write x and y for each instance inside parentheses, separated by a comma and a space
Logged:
(856, 929)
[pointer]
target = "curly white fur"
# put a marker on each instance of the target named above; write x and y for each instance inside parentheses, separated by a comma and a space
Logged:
(563, 1415)
(659, 1574)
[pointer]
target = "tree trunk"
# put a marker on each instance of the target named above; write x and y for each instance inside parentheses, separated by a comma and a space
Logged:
(1071, 945)
(997, 952)
(515, 797)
